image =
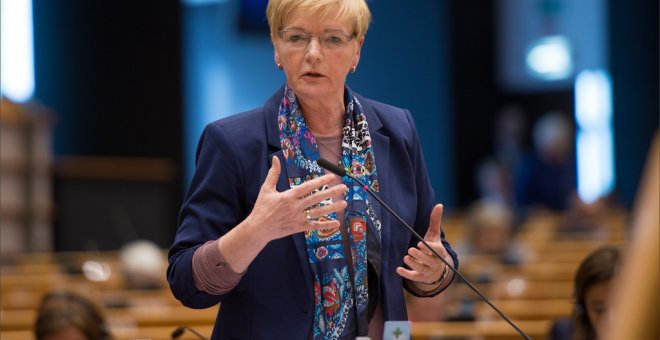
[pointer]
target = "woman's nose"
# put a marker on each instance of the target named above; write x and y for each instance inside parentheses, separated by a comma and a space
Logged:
(313, 53)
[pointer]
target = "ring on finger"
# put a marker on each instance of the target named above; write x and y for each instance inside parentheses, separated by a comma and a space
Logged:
(307, 215)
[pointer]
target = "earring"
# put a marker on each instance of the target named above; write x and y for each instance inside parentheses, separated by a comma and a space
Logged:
(279, 66)
(353, 69)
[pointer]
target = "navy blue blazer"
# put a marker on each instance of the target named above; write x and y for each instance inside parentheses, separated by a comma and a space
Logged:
(274, 299)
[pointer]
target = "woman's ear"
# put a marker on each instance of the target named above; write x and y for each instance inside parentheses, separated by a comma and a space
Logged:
(276, 54)
(356, 58)
(276, 57)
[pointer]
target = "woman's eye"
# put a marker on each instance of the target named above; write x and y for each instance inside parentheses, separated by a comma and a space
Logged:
(335, 40)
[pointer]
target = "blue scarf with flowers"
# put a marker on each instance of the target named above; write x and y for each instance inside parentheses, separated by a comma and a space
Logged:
(340, 303)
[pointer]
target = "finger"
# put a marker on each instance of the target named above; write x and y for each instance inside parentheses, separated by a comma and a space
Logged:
(273, 174)
(321, 225)
(321, 196)
(415, 265)
(421, 256)
(436, 246)
(309, 186)
(409, 274)
(327, 209)
(433, 233)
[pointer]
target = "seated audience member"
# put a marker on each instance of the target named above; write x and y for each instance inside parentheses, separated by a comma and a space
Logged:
(64, 315)
(593, 285)
(489, 231)
(585, 220)
(547, 177)
(493, 182)
(487, 246)
(143, 264)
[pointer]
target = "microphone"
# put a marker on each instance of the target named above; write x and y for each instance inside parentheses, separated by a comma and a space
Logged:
(341, 172)
(181, 329)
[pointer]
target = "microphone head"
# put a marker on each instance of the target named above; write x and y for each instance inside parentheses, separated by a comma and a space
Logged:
(178, 332)
(334, 168)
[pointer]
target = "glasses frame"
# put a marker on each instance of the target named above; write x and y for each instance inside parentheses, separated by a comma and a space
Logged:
(281, 32)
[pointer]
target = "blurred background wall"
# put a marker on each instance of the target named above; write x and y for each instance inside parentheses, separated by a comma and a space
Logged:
(130, 85)
(112, 73)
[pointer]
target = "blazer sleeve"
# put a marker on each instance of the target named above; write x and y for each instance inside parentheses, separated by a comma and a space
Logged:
(214, 204)
(425, 201)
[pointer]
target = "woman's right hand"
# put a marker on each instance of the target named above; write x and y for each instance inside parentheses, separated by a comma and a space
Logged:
(285, 213)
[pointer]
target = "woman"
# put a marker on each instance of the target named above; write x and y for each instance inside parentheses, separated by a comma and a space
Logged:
(593, 283)
(69, 316)
(292, 253)
(593, 286)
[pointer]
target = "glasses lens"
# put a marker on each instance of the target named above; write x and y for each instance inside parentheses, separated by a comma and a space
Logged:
(334, 40)
(295, 39)
(331, 40)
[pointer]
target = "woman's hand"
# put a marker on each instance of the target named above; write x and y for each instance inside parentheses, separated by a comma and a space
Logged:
(425, 268)
(280, 214)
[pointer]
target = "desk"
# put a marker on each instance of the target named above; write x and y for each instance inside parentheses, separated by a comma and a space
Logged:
(125, 333)
(486, 330)
(546, 309)
(170, 316)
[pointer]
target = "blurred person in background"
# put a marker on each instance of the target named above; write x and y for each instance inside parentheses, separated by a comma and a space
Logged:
(278, 242)
(547, 177)
(594, 283)
(65, 315)
(143, 263)
(547, 180)
(494, 182)
(585, 220)
(489, 232)
(496, 174)
(487, 246)
(510, 131)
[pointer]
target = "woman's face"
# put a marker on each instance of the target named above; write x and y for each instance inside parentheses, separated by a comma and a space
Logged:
(316, 70)
(598, 306)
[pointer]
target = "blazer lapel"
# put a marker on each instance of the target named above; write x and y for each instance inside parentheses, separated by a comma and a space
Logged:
(272, 129)
(273, 136)
(380, 143)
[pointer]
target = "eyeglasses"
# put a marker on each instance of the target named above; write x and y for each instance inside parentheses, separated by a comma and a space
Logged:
(331, 40)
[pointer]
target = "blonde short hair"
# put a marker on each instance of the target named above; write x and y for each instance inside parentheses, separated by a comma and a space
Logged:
(354, 10)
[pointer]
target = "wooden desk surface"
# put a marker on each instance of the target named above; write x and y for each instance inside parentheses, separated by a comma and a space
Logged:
(546, 309)
(30, 298)
(126, 333)
(486, 330)
(135, 316)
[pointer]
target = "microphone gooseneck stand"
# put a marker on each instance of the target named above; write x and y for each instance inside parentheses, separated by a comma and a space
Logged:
(341, 172)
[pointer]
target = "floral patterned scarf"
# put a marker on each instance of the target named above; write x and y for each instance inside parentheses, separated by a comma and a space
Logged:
(340, 306)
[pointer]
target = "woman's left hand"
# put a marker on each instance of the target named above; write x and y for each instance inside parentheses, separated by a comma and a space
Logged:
(424, 266)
